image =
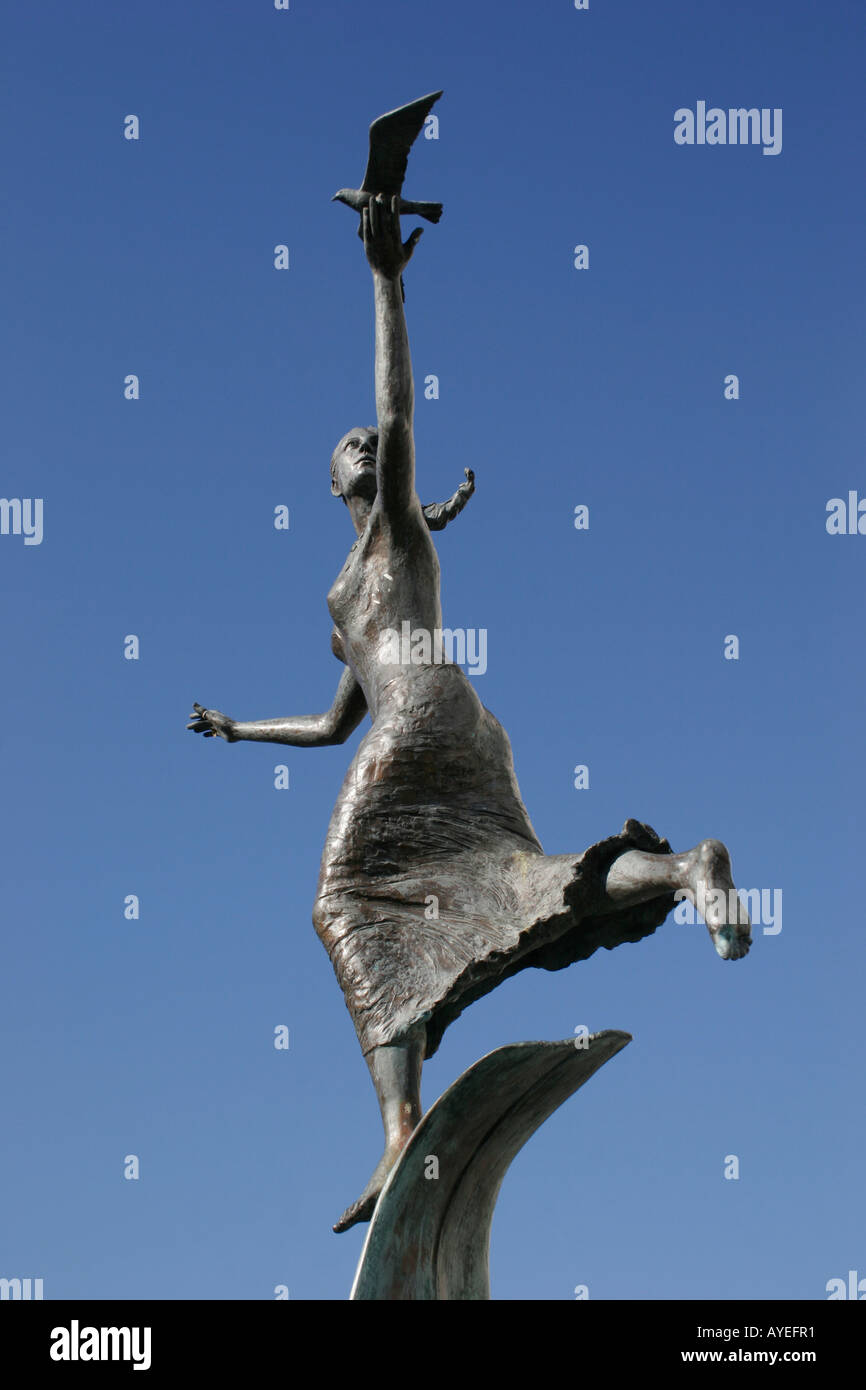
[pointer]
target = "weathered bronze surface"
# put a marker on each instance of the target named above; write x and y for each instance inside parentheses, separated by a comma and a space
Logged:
(433, 885)
(430, 1235)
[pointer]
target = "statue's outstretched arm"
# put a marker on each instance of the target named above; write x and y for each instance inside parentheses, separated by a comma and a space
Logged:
(438, 514)
(395, 393)
(302, 730)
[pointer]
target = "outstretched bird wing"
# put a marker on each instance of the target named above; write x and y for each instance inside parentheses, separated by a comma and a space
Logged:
(391, 138)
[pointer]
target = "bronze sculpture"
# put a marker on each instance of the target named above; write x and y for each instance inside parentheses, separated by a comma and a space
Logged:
(433, 886)
(391, 138)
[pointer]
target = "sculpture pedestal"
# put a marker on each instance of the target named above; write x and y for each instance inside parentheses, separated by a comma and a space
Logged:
(430, 1235)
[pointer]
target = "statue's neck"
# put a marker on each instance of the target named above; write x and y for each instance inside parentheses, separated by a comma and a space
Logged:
(360, 509)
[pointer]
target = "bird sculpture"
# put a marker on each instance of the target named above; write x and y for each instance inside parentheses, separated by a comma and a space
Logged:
(391, 138)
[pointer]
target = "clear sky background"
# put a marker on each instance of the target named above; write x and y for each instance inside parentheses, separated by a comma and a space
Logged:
(605, 647)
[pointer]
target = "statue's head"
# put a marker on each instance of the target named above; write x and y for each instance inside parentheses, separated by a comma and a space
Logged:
(353, 464)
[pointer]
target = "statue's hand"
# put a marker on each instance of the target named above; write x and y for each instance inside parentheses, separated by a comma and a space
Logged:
(380, 228)
(212, 724)
(468, 487)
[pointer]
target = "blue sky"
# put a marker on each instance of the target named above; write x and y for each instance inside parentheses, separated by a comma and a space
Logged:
(605, 647)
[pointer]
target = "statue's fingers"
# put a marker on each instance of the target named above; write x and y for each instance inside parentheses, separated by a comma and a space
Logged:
(373, 209)
(209, 733)
(414, 238)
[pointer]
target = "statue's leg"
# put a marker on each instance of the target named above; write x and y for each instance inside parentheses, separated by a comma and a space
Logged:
(703, 873)
(396, 1073)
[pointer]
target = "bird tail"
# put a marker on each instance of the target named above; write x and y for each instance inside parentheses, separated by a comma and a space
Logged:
(432, 211)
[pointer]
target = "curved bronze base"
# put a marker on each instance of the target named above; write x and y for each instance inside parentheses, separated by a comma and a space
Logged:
(430, 1235)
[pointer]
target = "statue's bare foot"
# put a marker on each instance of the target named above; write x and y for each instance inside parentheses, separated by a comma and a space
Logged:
(363, 1209)
(718, 901)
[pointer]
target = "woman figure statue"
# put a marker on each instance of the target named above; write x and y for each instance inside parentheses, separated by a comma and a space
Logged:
(433, 885)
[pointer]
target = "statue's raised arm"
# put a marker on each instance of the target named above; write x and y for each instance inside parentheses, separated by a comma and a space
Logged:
(395, 394)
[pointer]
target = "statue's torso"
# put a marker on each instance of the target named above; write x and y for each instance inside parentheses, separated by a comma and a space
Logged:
(390, 579)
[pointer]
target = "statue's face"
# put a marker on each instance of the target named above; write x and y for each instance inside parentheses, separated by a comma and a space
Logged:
(355, 464)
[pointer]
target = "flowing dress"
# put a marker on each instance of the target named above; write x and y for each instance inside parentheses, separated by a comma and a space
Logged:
(433, 885)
